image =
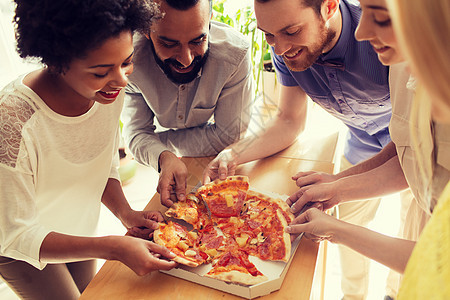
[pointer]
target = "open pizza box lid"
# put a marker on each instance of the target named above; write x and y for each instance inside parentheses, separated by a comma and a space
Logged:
(274, 270)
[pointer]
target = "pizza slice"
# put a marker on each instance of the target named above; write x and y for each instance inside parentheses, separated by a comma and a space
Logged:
(192, 211)
(235, 267)
(258, 206)
(265, 220)
(225, 198)
(272, 242)
(181, 242)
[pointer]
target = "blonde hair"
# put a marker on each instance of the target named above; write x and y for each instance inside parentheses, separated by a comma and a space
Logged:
(423, 30)
(422, 138)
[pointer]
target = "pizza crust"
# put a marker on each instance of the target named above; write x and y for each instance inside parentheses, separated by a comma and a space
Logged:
(211, 184)
(286, 237)
(181, 260)
(237, 277)
(285, 207)
(184, 261)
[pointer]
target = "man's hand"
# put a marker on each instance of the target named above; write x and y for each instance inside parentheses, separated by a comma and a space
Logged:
(220, 167)
(142, 223)
(316, 225)
(172, 180)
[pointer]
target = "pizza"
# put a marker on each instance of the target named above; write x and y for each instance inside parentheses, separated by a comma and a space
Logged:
(225, 198)
(181, 242)
(243, 223)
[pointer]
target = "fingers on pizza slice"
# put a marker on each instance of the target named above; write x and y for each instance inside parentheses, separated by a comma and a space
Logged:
(235, 267)
(272, 242)
(181, 242)
(257, 203)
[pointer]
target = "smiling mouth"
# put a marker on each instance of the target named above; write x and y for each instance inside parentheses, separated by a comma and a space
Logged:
(293, 55)
(379, 49)
(109, 95)
(180, 69)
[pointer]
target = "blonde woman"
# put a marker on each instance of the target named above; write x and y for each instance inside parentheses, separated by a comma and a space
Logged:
(418, 24)
(389, 251)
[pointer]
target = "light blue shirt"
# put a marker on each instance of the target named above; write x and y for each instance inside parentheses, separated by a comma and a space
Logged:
(356, 91)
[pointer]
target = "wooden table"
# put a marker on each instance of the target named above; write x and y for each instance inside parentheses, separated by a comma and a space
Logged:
(116, 281)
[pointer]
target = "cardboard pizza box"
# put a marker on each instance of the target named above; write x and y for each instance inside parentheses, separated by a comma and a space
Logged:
(274, 270)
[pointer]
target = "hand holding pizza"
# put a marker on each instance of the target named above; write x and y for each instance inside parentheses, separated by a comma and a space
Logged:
(140, 255)
(314, 187)
(142, 223)
(172, 179)
(316, 225)
(221, 167)
(326, 193)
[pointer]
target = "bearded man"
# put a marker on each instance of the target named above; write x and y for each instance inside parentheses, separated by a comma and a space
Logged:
(190, 94)
(316, 55)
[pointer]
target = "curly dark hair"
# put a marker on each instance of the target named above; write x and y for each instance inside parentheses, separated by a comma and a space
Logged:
(57, 31)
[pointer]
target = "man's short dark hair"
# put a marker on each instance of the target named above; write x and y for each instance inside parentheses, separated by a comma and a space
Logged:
(185, 4)
(316, 5)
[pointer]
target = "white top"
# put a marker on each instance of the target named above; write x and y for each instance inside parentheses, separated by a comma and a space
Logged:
(199, 118)
(53, 169)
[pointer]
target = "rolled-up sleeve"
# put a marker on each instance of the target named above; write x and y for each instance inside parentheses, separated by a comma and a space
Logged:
(21, 235)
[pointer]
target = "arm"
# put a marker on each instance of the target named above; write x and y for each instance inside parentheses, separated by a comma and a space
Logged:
(23, 238)
(392, 252)
(312, 177)
(148, 149)
(139, 128)
(278, 135)
(231, 105)
(382, 180)
(138, 223)
(375, 161)
(139, 255)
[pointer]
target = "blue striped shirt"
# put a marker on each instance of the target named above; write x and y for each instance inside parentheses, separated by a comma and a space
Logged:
(357, 94)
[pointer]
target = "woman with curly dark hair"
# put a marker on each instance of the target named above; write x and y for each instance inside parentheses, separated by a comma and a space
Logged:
(59, 132)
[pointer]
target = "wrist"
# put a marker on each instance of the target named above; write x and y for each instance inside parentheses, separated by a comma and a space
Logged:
(230, 155)
(110, 246)
(164, 157)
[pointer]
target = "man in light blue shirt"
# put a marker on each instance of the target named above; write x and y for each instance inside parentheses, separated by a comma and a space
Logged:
(317, 55)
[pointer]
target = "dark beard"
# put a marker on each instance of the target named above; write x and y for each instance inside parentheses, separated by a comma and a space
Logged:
(311, 56)
(180, 78)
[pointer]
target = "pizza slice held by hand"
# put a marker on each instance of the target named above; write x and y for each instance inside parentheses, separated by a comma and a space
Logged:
(181, 242)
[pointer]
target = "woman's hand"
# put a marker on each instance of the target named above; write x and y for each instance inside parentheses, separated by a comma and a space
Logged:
(315, 224)
(140, 255)
(142, 223)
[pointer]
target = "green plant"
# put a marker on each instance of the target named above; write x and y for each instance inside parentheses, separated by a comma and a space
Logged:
(245, 22)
